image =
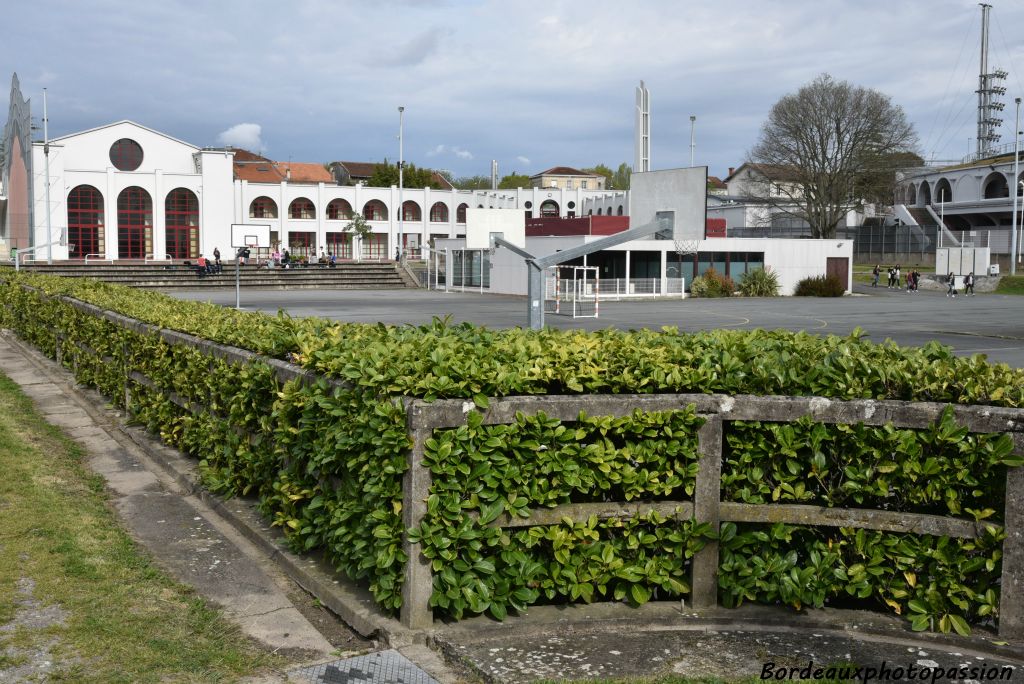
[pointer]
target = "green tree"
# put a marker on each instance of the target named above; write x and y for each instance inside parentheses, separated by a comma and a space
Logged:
(386, 174)
(822, 141)
(358, 226)
(514, 180)
(620, 180)
(473, 183)
(602, 170)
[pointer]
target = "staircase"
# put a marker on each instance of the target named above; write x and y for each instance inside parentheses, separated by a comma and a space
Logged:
(346, 276)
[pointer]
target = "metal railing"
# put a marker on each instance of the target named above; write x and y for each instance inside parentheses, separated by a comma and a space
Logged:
(102, 257)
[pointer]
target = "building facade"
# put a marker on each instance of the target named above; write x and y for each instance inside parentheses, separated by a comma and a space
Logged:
(124, 191)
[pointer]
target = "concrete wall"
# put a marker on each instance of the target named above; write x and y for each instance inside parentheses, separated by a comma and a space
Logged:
(683, 191)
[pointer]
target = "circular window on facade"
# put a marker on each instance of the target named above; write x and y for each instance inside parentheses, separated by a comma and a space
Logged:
(572, 205)
(126, 155)
(529, 205)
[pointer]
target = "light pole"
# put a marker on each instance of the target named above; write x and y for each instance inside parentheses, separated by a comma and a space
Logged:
(1016, 171)
(693, 119)
(401, 183)
(46, 157)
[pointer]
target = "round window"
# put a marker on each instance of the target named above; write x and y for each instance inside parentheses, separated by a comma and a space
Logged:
(528, 205)
(126, 155)
(572, 205)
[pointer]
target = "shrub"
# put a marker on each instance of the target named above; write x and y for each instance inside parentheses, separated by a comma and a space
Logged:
(760, 282)
(820, 286)
(712, 284)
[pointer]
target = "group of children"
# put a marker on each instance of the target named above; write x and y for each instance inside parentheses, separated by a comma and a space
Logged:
(914, 278)
(895, 278)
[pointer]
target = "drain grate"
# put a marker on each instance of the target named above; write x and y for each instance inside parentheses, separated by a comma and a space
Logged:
(382, 667)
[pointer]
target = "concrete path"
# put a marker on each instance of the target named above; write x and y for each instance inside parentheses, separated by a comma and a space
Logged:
(179, 531)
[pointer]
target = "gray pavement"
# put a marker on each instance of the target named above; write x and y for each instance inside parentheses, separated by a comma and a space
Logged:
(987, 324)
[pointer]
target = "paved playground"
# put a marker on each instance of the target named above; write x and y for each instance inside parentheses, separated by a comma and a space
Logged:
(985, 324)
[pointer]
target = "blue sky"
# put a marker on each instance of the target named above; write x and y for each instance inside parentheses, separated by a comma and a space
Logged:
(531, 84)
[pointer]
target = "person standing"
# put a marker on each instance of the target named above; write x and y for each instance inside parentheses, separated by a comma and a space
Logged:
(874, 276)
(969, 284)
(896, 275)
(217, 268)
(951, 285)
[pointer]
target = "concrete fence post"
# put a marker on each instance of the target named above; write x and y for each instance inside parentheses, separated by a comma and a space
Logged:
(706, 509)
(419, 579)
(1011, 599)
(126, 376)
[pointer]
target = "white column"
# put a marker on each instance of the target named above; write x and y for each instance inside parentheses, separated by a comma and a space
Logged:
(110, 216)
(392, 217)
(160, 217)
(282, 214)
(321, 209)
(626, 288)
(664, 272)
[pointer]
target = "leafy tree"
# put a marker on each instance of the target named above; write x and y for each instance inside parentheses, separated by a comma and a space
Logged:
(358, 226)
(602, 170)
(819, 142)
(514, 180)
(386, 174)
(473, 183)
(620, 180)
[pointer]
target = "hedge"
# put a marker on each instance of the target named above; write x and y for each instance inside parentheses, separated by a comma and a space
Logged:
(326, 460)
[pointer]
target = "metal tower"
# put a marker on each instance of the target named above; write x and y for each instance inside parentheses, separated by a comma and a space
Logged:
(989, 92)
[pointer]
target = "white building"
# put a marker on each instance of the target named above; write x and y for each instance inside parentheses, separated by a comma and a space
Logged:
(644, 267)
(124, 191)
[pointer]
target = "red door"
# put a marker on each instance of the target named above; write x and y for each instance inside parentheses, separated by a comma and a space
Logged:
(840, 268)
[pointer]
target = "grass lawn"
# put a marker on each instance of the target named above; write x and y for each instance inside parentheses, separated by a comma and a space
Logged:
(1011, 285)
(74, 588)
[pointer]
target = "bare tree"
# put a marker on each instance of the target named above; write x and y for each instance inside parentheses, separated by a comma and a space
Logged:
(822, 145)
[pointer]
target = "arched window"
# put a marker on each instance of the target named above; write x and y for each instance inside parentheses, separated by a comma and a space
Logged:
(263, 208)
(374, 210)
(924, 194)
(590, 212)
(411, 211)
(995, 186)
(339, 210)
(549, 208)
(301, 208)
(599, 211)
(439, 213)
(85, 222)
(943, 191)
(620, 210)
(134, 224)
(181, 211)
(460, 213)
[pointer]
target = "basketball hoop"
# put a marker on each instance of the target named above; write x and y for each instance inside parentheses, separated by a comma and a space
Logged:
(684, 247)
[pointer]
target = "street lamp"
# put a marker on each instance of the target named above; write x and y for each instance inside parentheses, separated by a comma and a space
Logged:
(401, 165)
(1016, 171)
(693, 120)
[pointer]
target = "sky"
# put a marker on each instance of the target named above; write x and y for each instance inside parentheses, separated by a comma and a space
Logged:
(529, 84)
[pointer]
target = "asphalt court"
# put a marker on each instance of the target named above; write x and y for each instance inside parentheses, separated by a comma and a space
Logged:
(987, 324)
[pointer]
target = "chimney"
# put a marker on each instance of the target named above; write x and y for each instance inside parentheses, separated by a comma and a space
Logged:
(288, 173)
(731, 169)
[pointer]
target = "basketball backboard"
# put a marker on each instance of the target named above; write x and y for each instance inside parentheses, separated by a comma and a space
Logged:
(680, 194)
(481, 224)
(249, 235)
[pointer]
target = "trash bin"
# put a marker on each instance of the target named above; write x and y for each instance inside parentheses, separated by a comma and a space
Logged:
(993, 269)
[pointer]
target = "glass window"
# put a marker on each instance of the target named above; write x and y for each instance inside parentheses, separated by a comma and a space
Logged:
(126, 154)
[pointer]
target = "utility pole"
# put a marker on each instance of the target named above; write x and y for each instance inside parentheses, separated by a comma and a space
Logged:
(1015, 186)
(401, 182)
(46, 170)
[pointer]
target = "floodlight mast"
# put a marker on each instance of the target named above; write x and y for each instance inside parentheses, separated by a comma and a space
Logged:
(536, 266)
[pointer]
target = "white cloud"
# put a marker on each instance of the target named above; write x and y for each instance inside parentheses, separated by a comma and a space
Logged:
(445, 149)
(244, 135)
(522, 159)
